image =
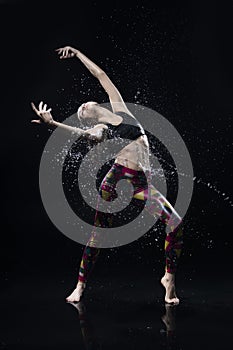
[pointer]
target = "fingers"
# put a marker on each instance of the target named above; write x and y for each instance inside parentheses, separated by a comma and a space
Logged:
(67, 51)
(42, 109)
(35, 109)
(36, 121)
(59, 51)
(33, 106)
(64, 52)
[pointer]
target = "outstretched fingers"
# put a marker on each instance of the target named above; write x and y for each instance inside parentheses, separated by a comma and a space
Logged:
(41, 106)
(65, 52)
(35, 109)
(36, 121)
(58, 50)
(42, 109)
(61, 52)
(37, 112)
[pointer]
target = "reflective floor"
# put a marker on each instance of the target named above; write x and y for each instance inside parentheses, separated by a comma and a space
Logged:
(124, 313)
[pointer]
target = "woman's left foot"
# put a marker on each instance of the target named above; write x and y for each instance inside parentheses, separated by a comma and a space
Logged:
(168, 281)
(76, 295)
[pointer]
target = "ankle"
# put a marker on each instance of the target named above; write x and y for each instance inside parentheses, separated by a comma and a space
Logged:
(81, 284)
(169, 276)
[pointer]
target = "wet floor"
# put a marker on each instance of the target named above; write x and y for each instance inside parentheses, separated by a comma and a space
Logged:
(124, 313)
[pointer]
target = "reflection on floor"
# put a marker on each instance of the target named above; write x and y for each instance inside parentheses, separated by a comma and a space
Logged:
(116, 314)
(91, 340)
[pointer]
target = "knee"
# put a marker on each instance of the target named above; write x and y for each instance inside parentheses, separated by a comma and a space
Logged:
(174, 227)
(108, 193)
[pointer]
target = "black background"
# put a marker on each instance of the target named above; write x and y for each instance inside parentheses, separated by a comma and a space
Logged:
(178, 56)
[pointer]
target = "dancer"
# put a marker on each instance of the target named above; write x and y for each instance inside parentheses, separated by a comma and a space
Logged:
(131, 163)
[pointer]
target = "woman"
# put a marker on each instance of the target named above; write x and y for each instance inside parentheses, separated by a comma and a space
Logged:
(131, 163)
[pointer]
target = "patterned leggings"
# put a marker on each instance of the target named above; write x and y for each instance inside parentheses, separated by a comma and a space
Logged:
(157, 205)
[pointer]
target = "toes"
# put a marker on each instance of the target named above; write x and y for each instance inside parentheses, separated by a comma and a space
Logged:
(69, 298)
(174, 301)
(72, 300)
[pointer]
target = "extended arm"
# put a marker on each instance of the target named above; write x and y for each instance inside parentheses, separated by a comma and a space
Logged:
(115, 97)
(45, 116)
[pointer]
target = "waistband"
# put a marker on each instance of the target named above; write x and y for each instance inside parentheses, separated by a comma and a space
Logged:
(129, 170)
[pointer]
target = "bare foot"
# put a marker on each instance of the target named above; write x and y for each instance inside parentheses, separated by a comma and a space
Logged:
(77, 293)
(168, 281)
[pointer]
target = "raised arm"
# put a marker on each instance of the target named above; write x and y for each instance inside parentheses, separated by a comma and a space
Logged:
(45, 116)
(114, 95)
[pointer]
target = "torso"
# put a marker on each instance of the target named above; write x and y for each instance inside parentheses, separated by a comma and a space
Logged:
(136, 154)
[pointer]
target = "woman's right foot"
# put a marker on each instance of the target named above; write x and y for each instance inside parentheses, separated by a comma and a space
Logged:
(77, 293)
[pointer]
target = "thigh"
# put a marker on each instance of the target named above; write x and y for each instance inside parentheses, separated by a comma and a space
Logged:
(107, 189)
(108, 186)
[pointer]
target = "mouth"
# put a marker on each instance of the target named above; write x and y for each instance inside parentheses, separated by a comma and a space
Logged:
(82, 108)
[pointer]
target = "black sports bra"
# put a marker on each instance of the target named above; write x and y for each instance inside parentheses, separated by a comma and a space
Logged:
(130, 128)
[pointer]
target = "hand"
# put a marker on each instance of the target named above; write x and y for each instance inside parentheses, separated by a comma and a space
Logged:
(43, 113)
(66, 52)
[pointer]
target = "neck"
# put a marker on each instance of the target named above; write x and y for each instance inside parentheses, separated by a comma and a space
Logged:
(106, 116)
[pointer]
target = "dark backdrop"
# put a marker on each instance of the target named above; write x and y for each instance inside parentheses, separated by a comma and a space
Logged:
(173, 58)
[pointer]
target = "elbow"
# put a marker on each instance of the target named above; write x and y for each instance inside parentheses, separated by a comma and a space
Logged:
(89, 136)
(100, 74)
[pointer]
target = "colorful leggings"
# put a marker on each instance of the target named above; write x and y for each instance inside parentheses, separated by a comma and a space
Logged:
(157, 205)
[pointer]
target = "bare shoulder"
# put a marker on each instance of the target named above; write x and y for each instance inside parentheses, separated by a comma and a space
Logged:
(122, 109)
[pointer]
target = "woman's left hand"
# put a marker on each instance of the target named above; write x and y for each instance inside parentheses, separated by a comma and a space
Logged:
(66, 52)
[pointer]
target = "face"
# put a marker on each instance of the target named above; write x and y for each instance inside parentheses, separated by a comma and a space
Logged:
(87, 110)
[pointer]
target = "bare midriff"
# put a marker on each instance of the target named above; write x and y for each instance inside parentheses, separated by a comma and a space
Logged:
(135, 155)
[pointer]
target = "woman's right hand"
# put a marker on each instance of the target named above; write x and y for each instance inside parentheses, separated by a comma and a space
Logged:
(43, 113)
